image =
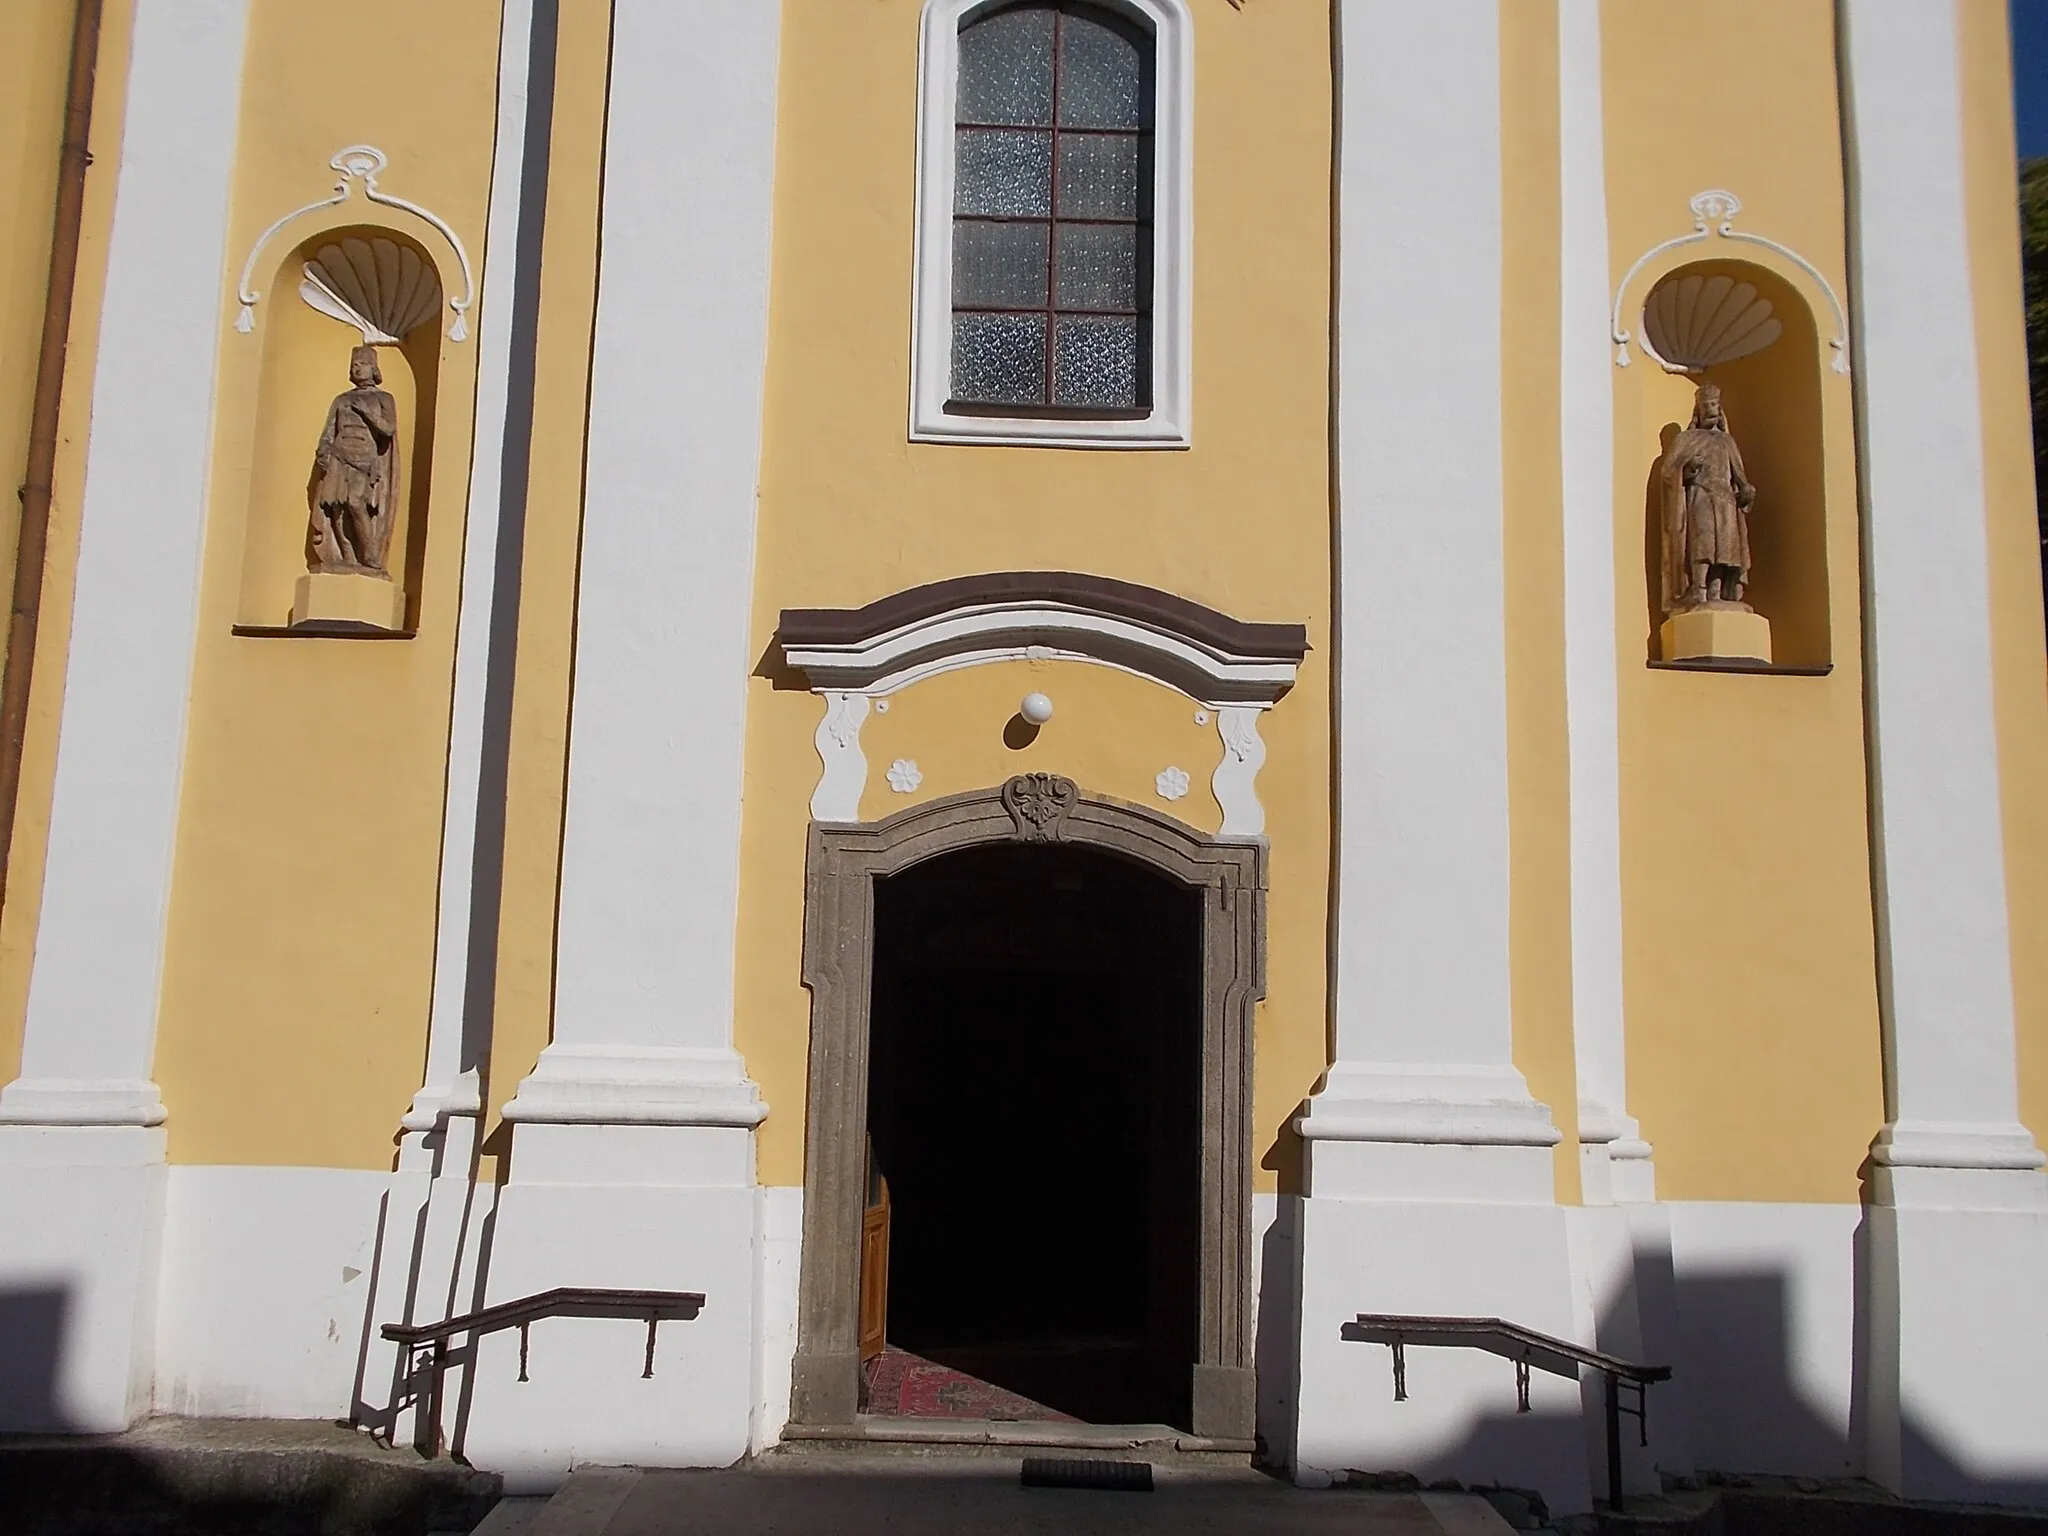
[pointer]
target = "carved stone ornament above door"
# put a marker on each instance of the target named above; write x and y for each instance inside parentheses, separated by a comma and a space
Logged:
(851, 656)
(1038, 803)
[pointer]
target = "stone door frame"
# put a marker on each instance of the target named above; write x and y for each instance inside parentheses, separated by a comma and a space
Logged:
(843, 864)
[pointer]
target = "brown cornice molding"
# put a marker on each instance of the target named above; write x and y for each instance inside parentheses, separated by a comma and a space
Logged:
(1163, 611)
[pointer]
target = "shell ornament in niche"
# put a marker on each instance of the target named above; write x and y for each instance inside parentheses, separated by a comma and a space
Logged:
(1693, 321)
(382, 288)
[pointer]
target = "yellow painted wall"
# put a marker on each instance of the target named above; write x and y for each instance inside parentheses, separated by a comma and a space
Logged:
(301, 930)
(35, 57)
(1110, 731)
(35, 41)
(1749, 976)
(2016, 629)
(1532, 534)
(851, 511)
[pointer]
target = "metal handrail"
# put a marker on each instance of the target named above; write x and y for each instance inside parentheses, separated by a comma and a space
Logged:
(1527, 1349)
(652, 1307)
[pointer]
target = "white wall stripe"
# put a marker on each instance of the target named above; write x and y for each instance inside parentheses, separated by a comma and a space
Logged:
(1586, 426)
(1944, 948)
(451, 1078)
(90, 1040)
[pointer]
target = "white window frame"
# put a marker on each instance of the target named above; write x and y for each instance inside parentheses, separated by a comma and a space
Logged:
(1166, 425)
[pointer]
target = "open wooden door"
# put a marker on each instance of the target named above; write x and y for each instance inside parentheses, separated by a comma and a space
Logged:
(874, 1265)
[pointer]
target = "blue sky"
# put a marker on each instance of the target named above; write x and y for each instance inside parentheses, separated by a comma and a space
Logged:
(2030, 73)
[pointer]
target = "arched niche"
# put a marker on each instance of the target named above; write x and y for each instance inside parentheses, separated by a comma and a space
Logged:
(1774, 407)
(304, 366)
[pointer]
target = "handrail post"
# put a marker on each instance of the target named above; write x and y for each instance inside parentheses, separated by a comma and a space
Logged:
(1614, 1441)
(426, 1429)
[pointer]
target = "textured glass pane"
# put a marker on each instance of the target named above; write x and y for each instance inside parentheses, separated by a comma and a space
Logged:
(1003, 173)
(1098, 176)
(1006, 68)
(1095, 362)
(1102, 75)
(1001, 266)
(999, 359)
(1098, 266)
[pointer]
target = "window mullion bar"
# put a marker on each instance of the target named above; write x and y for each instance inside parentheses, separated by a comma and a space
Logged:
(1052, 238)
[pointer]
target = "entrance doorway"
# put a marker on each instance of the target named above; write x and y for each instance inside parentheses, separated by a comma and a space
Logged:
(1071, 942)
(1034, 1104)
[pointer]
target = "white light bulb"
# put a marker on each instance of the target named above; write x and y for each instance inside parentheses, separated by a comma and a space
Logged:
(1036, 708)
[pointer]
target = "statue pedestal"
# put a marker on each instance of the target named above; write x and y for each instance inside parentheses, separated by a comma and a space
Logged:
(347, 600)
(1716, 634)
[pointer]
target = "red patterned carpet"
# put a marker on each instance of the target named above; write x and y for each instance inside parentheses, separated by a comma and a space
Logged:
(897, 1384)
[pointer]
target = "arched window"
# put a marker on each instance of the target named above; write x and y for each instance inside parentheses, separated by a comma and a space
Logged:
(1052, 212)
(1052, 259)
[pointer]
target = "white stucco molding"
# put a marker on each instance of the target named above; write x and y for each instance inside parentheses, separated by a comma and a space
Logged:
(1167, 425)
(638, 1085)
(1235, 782)
(1713, 215)
(853, 655)
(359, 163)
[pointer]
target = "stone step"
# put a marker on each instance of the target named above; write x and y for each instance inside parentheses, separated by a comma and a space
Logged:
(947, 1493)
(885, 1436)
(233, 1477)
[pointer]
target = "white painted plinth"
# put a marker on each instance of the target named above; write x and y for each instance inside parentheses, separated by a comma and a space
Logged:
(1715, 634)
(345, 599)
(1436, 1259)
(81, 1226)
(1621, 1277)
(1959, 1366)
(265, 1284)
(654, 1207)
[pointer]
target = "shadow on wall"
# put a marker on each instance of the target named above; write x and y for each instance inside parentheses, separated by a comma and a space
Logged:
(31, 1345)
(53, 1478)
(447, 1241)
(1739, 1404)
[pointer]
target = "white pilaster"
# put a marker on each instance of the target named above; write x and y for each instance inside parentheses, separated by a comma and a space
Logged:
(1960, 1234)
(1424, 1048)
(81, 1170)
(451, 1082)
(1614, 1159)
(1944, 945)
(1428, 1163)
(91, 1033)
(650, 855)
(430, 1234)
(632, 1158)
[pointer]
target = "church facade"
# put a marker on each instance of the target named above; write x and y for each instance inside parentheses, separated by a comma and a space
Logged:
(1038, 698)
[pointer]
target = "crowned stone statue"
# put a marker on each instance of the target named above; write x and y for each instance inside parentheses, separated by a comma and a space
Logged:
(1706, 497)
(355, 476)
(1706, 513)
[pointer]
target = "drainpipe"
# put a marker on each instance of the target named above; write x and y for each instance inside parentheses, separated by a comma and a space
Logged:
(32, 541)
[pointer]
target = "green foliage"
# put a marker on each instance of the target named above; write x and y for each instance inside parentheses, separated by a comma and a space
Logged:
(2034, 248)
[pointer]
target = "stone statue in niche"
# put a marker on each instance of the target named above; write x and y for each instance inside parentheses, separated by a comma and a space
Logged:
(1706, 513)
(355, 476)
(1705, 499)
